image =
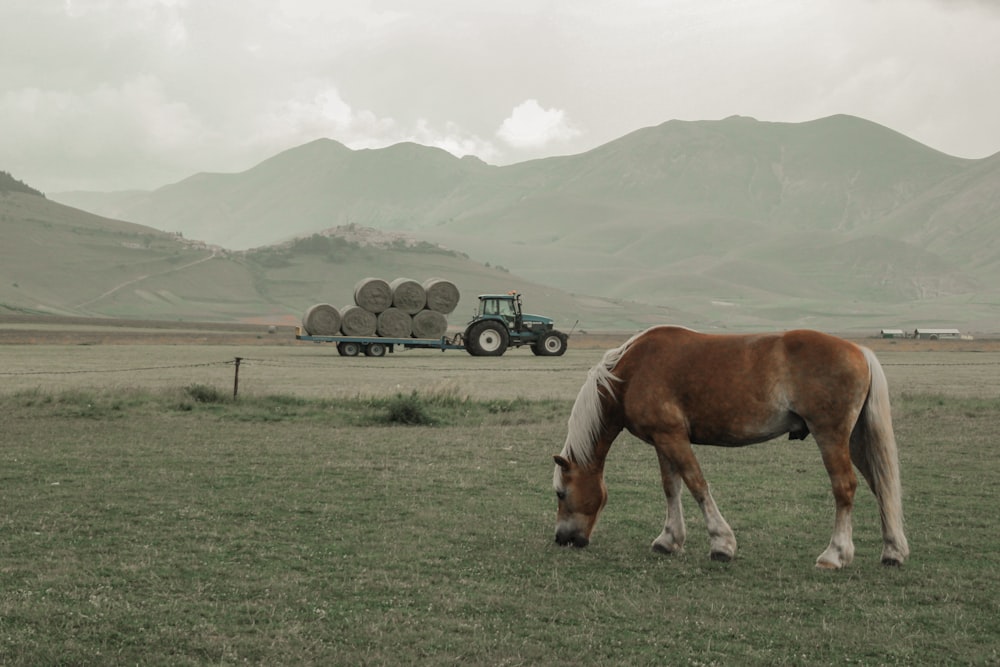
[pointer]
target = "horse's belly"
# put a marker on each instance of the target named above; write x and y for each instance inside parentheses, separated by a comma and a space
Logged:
(749, 432)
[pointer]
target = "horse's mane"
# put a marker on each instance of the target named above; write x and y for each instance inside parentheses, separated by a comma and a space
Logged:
(587, 417)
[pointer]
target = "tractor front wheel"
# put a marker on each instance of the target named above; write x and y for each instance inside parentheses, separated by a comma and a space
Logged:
(551, 344)
(487, 339)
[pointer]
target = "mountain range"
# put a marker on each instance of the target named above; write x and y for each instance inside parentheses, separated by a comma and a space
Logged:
(837, 223)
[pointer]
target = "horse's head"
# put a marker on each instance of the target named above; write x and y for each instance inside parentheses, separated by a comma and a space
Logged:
(582, 495)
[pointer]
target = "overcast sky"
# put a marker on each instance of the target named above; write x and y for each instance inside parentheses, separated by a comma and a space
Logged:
(120, 94)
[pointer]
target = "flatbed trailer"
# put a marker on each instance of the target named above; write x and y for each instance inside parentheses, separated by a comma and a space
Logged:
(379, 346)
(497, 325)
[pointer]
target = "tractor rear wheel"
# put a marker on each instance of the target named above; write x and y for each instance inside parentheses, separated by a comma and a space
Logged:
(551, 344)
(487, 339)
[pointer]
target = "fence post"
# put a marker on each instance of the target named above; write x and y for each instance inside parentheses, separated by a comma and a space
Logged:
(236, 377)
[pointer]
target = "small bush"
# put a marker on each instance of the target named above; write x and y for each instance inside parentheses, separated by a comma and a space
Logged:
(205, 394)
(408, 410)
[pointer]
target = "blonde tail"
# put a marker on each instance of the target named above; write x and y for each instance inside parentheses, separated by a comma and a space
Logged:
(873, 451)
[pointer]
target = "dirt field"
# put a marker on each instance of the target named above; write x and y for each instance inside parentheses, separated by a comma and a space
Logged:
(54, 330)
(53, 354)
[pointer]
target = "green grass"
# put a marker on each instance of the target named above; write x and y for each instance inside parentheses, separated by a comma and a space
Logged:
(157, 528)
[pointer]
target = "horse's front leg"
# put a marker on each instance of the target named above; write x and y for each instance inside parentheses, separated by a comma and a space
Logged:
(671, 540)
(677, 450)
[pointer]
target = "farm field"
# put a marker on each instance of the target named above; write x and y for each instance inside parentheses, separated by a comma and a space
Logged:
(146, 517)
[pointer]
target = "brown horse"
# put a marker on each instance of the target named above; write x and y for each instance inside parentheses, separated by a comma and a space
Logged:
(672, 387)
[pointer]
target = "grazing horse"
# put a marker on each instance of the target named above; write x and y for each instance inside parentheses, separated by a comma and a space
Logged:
(671, 387)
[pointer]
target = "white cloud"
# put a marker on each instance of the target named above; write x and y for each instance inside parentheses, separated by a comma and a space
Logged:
(531, 126)
(455, 140)
(149, 16)
(318, 110)
(106, 94)
(87, 136)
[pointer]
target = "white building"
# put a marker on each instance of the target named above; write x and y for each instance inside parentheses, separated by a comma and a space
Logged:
(935, 334)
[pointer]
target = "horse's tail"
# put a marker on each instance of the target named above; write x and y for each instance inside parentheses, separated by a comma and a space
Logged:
(873, 451)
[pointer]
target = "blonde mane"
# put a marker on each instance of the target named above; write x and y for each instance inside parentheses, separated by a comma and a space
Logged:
(587, 417)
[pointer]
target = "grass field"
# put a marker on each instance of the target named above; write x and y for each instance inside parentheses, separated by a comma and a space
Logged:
(147, 518)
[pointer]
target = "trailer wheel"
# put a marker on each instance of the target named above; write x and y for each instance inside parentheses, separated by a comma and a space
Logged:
(551, 344)
(348, 349)
(487, 339)
(375, 350)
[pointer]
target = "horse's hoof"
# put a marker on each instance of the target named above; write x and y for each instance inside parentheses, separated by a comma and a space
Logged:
(660, 549)
(891, 562)
(720, 556)
(826, 565)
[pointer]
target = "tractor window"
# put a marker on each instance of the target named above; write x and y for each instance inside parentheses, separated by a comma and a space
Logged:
(499, 307)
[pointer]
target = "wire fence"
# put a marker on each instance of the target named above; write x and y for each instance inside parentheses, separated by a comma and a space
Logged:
(414, 368)
(117, 370)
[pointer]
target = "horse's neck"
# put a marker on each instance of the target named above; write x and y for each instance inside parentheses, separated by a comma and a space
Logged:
(600, 450)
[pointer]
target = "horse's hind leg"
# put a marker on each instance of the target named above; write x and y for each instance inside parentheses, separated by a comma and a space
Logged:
(677, 451)
(837, 459)
(671, 540)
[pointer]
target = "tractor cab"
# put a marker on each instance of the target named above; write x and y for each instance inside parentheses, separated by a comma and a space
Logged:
(504, 307)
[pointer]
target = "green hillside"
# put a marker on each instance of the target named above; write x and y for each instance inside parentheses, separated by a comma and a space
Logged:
(58, 260)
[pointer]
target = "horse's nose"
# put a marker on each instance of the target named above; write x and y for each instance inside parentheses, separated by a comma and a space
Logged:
(565, 538)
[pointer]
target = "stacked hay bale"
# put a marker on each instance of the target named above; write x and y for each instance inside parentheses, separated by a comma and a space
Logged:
(403, 308)
(321, 320)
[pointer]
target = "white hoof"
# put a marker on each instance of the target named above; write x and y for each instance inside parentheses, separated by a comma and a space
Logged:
(666, 544)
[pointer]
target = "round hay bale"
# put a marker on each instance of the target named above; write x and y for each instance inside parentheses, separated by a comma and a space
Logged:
(442, 295)
(321, 320)
(373, 294)
(408, 295)
(429, 324)
(394, 323)
(356, 321)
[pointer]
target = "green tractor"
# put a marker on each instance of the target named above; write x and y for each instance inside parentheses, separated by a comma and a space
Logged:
(499, 323)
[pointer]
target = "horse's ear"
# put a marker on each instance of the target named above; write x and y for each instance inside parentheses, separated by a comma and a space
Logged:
(561, 462)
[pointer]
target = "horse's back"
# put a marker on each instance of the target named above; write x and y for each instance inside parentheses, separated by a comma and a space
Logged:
(678, 348)
(806, 344)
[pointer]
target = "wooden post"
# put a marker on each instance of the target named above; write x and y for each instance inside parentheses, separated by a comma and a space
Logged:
(236, 377)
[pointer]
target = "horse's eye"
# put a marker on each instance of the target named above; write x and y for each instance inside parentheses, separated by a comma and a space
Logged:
(561, 495)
